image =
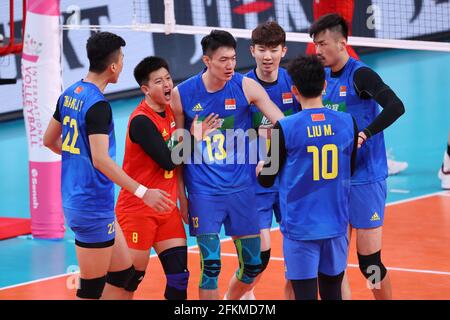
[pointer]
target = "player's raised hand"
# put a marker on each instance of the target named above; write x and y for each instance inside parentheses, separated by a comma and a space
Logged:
(200, 129)
(158, 200)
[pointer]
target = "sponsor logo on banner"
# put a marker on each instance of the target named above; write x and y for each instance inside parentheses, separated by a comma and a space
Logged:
(318, 117)
(287, 97)
(230, 104)
(31, 49)
(342, 91)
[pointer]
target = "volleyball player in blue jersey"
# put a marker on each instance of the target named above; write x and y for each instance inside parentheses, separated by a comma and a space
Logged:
(268, 48)
(353, 87)
(221, 187)
(317, 147)
(84, 118)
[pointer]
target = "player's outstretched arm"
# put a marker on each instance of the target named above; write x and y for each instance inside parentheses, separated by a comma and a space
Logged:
(52, 136)
(369, 85)
(256, 94)
(267, 171)
(155, 198)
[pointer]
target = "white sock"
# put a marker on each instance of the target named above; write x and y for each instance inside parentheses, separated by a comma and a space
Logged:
(249, 295)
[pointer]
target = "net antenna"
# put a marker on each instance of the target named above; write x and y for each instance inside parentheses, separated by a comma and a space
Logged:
(11, 44)
(396, 22)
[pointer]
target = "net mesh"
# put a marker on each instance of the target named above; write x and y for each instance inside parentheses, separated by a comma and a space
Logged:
(373, 22)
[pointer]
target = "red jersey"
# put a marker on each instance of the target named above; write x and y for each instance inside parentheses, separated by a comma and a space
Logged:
(341, 7)
(142, 168)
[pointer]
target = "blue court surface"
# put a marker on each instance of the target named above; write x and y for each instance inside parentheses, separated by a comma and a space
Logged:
(420, 79)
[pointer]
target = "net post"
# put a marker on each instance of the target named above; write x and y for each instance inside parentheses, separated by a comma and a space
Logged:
(169, 16)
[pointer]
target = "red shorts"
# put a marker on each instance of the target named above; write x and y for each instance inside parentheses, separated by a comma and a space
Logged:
(142, 231)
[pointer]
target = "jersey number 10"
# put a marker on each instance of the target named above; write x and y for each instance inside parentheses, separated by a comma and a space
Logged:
(325, 173)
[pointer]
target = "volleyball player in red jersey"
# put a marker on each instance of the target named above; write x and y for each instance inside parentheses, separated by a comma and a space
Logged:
(149, 142)
(342, 7)
(147, 159)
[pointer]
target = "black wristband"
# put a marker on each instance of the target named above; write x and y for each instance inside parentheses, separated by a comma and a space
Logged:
(360, 136)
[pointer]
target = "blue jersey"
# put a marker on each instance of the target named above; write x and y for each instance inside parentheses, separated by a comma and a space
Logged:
(218, 166)
(280, 93)
(315, 178)
(82, 186)
(340, 94)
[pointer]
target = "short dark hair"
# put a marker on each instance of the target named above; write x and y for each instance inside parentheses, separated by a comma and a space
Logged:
(332, 22)
(146, 66)
(269, 34)
(102, 48)
(308, 75)
(216, 39)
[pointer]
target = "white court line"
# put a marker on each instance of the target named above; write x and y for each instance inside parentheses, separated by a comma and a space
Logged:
(399, 191)
(70, 273)
(352, 265)
(439, 193)
(38, 280)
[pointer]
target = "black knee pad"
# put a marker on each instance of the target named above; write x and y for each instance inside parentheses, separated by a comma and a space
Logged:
(91, 288)
(371, 267)
(305, 289)
(134, 281)
(265, 258)
(174, 262)
(120, 278)
(330, 286)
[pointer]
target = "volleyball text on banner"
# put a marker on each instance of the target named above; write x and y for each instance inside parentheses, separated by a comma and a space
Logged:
(41, 87)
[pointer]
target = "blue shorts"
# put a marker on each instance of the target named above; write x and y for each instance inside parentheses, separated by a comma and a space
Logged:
(236, 211)
(91, 227)
(267, 204)
(304, 259)
(367, 202)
